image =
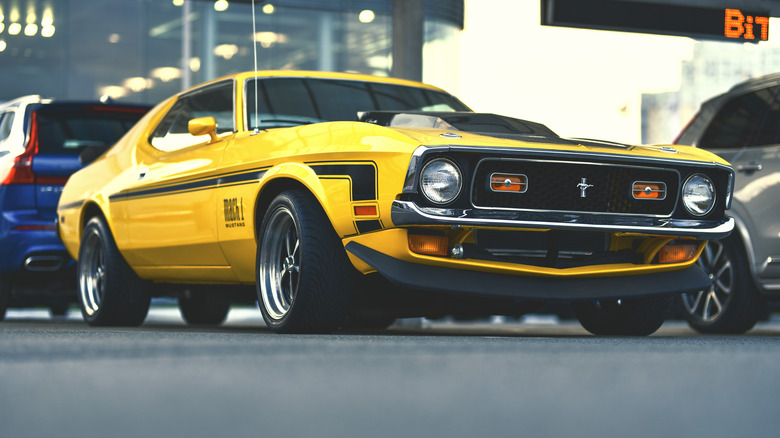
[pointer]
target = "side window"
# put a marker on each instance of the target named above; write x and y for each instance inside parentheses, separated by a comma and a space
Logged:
(6, 121)
(216, 101)
(769, 130)
(739, 120)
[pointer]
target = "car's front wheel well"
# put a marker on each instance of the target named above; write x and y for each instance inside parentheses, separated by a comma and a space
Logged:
(89, 211)
(267, 195)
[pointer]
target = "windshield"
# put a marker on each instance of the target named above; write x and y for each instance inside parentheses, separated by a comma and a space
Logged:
(295, 101)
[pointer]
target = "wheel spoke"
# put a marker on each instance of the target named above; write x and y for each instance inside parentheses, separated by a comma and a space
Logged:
(277, 293)
(692, 308)
(718, 254)
(711, 302)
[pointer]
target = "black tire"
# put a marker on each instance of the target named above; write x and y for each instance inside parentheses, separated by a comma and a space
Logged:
(204, 308)
(59, 309)
(110, 293)
(303, 275)
(629, 317)
(732, 304)
(5, 296)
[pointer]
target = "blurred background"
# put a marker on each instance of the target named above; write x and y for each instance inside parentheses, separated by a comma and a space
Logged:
(494, 54)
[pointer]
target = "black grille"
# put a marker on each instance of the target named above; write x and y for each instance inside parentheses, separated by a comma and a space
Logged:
(556, 186)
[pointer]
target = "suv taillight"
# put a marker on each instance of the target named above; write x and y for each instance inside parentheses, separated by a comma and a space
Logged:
(21, 170)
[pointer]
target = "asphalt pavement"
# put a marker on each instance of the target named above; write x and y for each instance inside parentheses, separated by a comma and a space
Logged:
(534, 377)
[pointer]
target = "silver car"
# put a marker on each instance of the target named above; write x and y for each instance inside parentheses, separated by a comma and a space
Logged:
(742, 126)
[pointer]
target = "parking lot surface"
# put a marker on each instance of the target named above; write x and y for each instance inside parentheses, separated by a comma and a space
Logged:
(534, 377)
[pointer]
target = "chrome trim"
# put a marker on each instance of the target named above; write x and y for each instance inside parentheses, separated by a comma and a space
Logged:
(588, 163)
(43, 263)
(661, 183)
(729, 190)
(771, 286)
(771, 260)
(406, 213)
(410, 182)
(640, 160)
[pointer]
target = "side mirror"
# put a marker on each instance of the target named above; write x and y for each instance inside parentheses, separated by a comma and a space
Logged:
(203, 126)
(90, 154)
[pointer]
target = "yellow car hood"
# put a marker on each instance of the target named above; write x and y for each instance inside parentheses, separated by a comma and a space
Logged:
(438, 137)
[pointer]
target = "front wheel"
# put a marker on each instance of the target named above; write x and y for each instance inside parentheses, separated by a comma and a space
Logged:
(110, 293)
(629, 317)
(303, 274)
(731, 304)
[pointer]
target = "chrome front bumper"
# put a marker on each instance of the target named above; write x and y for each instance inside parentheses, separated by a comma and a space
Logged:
(406, 213)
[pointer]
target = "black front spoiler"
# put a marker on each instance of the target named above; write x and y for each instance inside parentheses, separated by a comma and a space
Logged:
(440, 279)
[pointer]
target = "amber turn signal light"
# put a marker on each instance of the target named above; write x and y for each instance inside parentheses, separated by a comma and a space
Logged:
(649, 190)
(508, 182)
(428, 245)
(676, 253)
(365, 210)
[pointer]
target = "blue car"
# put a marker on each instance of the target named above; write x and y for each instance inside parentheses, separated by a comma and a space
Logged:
(41, 142)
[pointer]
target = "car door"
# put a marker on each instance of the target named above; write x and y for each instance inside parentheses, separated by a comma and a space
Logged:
(171, 208)
(746, 132)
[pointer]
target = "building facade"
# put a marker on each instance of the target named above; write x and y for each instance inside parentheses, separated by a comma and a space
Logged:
(146, 50)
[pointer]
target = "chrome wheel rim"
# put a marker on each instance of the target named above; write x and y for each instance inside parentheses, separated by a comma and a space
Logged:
(92, 271)
(280, 263)
(709, 304)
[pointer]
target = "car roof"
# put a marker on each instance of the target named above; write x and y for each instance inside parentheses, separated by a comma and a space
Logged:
(742, 88)
(755, 83)
(320, 74)
(34, 100)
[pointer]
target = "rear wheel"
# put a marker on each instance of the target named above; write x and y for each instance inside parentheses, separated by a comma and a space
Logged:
(110, 293)
(731, 304)
(629, 317)
(304, 277)
(204, 308)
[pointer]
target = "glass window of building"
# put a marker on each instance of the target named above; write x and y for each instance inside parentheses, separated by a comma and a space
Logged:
(147, 50)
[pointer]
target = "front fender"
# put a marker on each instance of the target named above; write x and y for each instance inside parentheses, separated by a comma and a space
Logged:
(333, 192)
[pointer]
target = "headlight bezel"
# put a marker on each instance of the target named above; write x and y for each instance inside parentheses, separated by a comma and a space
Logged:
(425, 192)
(690, 206)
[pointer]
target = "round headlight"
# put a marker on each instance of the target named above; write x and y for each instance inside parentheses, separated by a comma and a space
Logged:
(440, 181)
(698, 195)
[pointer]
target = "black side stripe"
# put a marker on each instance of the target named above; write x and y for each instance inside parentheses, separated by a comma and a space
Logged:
(76, 204)
(227, 179)
(364, 183)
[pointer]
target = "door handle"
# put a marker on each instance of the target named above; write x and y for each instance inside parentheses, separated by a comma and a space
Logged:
(749, 168)
(142, 173)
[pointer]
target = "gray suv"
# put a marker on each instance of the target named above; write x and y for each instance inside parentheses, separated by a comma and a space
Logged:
(742, 126)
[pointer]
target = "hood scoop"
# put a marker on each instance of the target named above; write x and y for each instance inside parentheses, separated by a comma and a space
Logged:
(476, 123)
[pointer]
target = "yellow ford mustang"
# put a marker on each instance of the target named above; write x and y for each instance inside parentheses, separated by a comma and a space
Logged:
(348, 200)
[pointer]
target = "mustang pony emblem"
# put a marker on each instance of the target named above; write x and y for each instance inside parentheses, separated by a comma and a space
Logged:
(583, 185)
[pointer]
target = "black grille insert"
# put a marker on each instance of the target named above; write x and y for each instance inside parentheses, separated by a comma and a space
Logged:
(575, 187)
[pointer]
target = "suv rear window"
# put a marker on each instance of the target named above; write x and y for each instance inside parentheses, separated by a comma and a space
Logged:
(71, 128)
(746, 120)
